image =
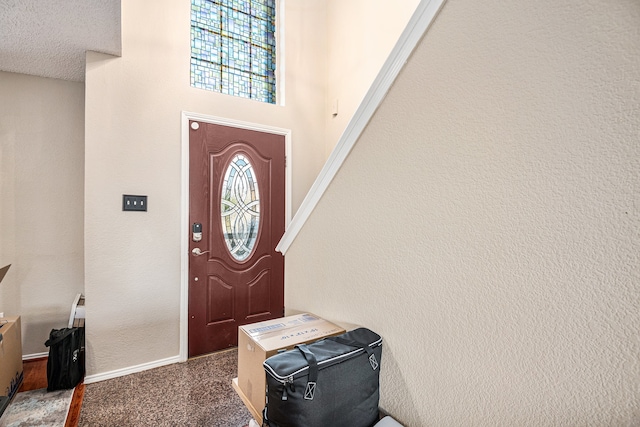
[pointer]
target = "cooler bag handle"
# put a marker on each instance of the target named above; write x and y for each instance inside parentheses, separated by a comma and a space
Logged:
(352, 343)
(310, 391)
(53, 341)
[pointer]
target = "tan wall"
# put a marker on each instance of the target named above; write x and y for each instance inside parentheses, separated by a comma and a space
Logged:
(41, 202)
(486, 223)
(133, 145)
(360, 35)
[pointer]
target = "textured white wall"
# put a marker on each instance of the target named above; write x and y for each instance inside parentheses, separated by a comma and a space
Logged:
(487, 223)
(41, 202)
(133, 145)
(360, 36)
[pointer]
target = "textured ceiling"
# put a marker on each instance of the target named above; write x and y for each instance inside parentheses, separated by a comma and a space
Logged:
(49, 38)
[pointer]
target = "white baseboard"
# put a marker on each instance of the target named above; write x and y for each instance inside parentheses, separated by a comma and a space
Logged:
(35, 356)
(130, 370)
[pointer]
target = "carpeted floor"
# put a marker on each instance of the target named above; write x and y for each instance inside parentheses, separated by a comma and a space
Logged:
(195, 393)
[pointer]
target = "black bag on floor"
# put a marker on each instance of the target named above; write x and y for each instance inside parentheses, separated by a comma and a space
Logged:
(65, 367)
(332, 382)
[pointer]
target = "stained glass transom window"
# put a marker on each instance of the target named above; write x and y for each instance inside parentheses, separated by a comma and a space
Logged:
(233, 47)
(240, 207)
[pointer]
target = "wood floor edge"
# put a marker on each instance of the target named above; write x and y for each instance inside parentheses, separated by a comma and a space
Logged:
(73, 417)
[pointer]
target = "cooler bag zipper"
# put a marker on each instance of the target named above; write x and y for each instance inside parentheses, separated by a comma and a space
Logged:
(289, 378)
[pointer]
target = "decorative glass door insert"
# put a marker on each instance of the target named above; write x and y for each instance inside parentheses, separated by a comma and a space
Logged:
(240, 207)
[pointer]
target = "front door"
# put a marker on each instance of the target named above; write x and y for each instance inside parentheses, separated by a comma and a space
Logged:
(236, 218)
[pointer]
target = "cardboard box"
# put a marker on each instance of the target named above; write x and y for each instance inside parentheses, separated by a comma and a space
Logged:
(258, 341)
(257, 415)
(11, 374)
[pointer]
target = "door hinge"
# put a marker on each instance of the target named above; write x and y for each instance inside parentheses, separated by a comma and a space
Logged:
(285, 161)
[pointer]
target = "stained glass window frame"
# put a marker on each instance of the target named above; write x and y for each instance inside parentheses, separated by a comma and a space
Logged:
(233, 47)
(240, 207)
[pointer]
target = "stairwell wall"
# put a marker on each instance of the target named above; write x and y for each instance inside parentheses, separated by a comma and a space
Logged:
(486, 222)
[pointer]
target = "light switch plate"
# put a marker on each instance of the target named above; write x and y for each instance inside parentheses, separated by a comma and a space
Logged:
(134, 203)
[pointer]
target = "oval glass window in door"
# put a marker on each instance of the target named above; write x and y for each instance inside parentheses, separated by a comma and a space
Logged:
(240, 207)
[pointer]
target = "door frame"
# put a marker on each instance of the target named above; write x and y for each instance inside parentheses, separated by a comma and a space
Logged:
(184, 211)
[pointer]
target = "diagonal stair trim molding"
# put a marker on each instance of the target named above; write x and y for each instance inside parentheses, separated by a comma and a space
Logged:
(420, 21)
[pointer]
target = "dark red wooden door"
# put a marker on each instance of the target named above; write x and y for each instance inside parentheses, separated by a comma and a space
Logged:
(237, 194)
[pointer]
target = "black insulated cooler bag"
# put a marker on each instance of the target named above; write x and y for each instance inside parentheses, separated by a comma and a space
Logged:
(65, 366)
(332, 382)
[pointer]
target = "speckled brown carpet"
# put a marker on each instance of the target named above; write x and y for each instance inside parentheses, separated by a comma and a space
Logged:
(195, 393)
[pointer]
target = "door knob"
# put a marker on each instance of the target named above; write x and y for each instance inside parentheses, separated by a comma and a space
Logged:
(198, 252)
